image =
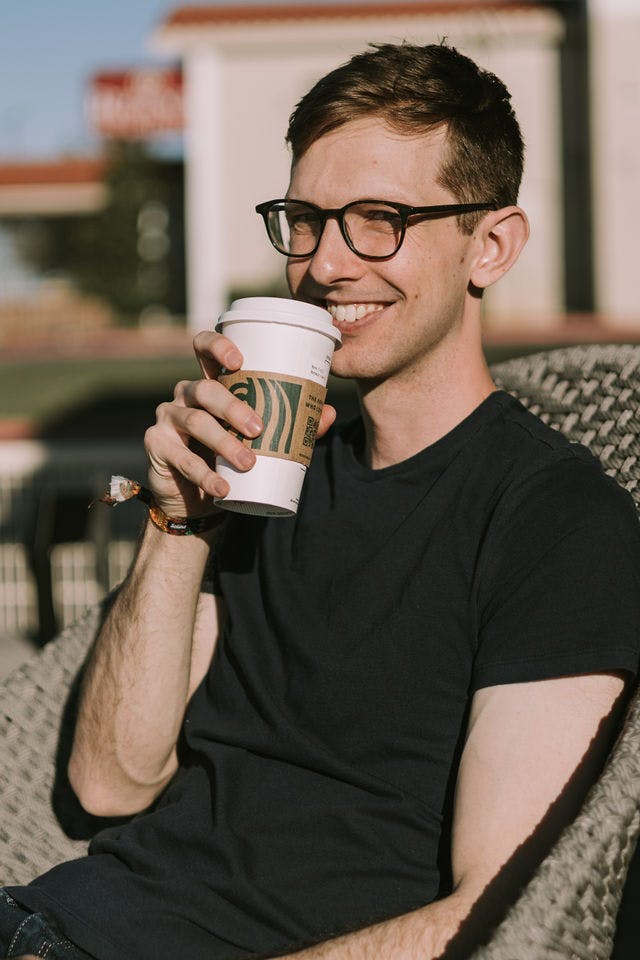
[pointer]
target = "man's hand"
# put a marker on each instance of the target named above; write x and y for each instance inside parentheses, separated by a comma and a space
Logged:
(194, 427)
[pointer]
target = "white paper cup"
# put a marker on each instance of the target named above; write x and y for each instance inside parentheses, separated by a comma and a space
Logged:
(287, 348)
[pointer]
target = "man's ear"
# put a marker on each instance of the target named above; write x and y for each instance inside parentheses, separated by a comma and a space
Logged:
(503, 234)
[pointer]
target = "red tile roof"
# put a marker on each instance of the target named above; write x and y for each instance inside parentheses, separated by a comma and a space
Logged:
(210, 15)
(68, 170)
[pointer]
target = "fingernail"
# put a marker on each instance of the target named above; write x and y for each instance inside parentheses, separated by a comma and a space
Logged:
(221, 488)
(254, 425)
(246, 458)
(233, 358)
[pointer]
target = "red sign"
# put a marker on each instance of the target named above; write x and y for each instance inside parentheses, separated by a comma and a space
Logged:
(136, 104)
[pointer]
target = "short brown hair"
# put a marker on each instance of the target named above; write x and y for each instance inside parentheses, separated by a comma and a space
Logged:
(416, 89)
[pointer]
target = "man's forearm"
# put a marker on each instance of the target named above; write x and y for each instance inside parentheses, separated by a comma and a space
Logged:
(420, 935)
(137, 681)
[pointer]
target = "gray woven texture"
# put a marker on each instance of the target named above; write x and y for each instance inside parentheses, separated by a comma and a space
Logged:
(568, 908)
(32, 703)
(591, 394)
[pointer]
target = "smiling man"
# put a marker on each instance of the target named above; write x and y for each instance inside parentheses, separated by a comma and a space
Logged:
(333, 751)
(408, 320)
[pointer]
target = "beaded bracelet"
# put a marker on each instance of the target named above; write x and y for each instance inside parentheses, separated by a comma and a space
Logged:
(122, 489)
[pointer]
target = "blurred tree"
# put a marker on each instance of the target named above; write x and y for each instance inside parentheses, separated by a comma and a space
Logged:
(131, 253)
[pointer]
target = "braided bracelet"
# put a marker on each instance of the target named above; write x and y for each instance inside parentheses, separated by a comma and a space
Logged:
(122, 489)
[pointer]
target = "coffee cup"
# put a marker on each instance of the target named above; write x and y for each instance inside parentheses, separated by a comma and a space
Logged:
(287, 348)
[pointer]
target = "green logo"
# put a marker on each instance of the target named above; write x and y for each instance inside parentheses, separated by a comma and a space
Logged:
(276, 402)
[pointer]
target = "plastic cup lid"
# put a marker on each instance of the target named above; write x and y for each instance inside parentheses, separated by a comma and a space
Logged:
(295, 313)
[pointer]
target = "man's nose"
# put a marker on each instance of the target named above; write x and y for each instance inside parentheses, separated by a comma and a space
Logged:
(334, 260)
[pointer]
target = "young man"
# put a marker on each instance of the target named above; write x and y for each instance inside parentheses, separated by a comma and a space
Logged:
(334, 753)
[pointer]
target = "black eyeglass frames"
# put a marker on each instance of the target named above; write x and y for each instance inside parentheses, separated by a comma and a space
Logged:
(372, 229)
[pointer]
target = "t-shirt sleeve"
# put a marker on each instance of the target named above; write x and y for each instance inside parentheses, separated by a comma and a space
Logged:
(560, 578)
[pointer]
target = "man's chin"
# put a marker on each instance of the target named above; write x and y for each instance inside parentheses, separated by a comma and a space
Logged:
(360, 372)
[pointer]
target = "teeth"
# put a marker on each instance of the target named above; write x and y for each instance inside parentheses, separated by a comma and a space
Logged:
(348, 312)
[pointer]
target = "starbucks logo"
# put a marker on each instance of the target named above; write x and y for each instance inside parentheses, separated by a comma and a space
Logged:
(276, 402)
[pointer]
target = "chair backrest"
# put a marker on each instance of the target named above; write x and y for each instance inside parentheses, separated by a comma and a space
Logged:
(589, 393)
(568, 908)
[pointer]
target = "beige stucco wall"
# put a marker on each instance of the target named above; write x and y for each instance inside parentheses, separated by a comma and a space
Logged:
(615, 92)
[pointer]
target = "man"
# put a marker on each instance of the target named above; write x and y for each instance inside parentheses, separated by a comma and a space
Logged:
(385, 695)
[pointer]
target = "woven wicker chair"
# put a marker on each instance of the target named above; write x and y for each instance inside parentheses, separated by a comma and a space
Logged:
(568, 909)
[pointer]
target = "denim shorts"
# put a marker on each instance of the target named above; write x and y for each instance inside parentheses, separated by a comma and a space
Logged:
(23, 932)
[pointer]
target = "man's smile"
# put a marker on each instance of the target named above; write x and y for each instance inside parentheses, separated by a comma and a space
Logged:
(350, 312)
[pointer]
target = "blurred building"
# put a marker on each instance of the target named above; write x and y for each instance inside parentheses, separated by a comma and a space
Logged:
(614, 42)
(108, 227)
(33, 195)
(571, 66)
(70, 185)
(245, 67)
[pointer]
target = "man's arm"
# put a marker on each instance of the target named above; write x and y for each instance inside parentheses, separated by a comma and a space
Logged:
(158, 639)
(151, 653)
(527, 744)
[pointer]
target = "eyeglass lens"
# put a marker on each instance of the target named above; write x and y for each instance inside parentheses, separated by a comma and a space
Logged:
(374, 229)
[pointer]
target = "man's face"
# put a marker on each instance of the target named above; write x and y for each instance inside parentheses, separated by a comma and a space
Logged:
(406, 306)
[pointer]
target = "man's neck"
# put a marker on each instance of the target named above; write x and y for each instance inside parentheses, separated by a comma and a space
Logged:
(404, 415)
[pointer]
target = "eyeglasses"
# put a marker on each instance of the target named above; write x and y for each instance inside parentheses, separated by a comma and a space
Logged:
(372, 229)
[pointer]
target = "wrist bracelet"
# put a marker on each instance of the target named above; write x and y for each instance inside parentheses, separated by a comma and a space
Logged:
(122, 489)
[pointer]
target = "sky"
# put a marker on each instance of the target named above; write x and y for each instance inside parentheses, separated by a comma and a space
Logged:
(48, 51)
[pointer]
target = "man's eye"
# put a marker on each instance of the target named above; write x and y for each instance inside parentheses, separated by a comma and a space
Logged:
(302, 221)
(383, 218)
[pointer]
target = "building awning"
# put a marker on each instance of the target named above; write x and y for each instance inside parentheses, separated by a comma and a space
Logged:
(266, 13)
(71, 185)
(269, 24)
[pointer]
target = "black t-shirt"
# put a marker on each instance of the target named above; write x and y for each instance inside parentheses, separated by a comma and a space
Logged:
(321, 750)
